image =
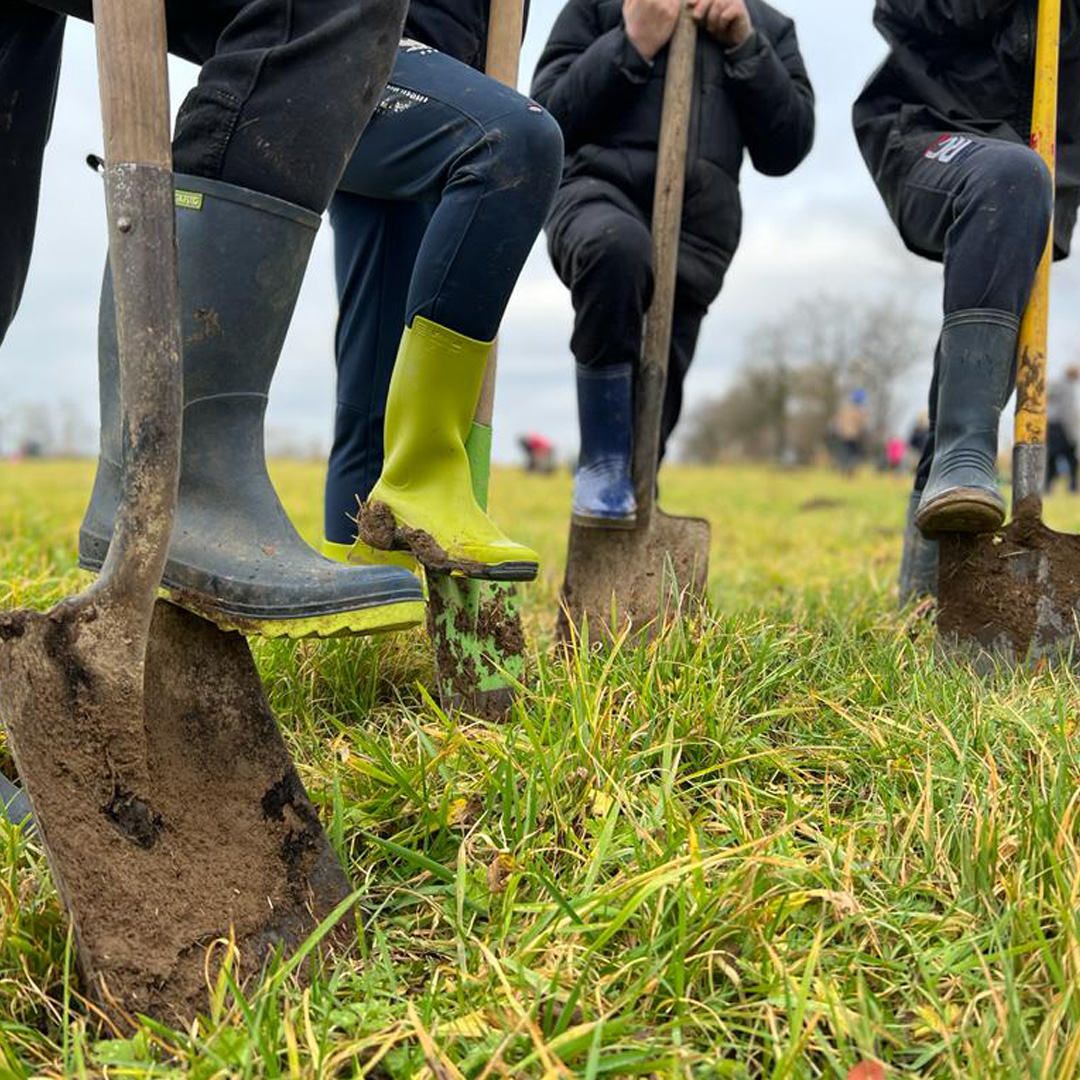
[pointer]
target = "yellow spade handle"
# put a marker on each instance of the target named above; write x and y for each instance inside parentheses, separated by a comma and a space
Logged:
(1031, 364)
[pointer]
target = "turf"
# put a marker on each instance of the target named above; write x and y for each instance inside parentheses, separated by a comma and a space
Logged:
(780, 841)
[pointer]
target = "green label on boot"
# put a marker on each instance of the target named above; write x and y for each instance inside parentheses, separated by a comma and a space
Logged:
(189, 200)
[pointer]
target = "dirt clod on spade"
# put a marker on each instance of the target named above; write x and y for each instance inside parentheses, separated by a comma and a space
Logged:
(218, 837)
(1013, 594)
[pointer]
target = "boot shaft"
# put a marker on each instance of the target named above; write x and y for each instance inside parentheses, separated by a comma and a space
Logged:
(976, 371)
(432, 400)
(605, 413)
(232, 244)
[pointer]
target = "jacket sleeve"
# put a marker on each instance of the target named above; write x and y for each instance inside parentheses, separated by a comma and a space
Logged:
(583, 75)
(945, 18)
(774, 100)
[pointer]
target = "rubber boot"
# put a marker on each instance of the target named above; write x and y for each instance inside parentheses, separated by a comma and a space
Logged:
(424, 500)
(603, 483)
(978, 353)
(235, 557)
(15, 804)
(919, 563)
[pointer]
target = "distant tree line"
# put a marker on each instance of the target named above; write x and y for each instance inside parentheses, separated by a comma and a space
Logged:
(798, 370)
(38, 429)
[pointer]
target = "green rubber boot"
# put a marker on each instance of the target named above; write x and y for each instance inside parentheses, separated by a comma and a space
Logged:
(424, 500)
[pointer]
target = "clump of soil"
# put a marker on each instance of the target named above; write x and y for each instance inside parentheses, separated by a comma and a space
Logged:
(1015, 593)
(172, 819)
(376, 525)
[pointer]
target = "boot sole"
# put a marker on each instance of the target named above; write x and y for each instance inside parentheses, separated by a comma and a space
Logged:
(379, 618)
(963, 510)
(378, 527)
(586, 522)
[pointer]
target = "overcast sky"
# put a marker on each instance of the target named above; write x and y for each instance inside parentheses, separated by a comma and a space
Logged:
(822, 229)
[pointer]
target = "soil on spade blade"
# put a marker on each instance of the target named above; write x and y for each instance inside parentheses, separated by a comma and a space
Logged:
(221, 842)
(1014, 593)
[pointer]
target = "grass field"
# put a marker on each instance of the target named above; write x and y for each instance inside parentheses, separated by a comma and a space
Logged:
(776, 843)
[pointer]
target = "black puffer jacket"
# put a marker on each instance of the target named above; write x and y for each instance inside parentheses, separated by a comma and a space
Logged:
(965, 66)
(608, 100)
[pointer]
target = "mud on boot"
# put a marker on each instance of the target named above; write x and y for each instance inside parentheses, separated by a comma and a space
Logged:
(978, 353)
(235, 557)
(424, 500)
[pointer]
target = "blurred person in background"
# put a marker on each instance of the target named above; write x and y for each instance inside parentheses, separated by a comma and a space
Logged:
(1063, 427)
(848, 432)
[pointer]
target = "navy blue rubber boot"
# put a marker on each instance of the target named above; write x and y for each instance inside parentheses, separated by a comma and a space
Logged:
(604, 483)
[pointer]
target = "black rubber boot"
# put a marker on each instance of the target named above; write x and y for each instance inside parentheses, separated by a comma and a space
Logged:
(978, 354)
(235, 557)
(919, 564)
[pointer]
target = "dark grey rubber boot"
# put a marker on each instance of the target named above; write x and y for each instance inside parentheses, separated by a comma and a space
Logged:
(978, 353)
(235, 557)
(919, 563)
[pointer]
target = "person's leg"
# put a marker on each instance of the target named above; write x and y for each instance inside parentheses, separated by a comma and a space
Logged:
(31, 40)
(284, 88)
(486, 157)
(375, 246)
(1057, 446)
(491, 159)
(984, 206)
(264, 143)
(1074, 466)
(602, 251)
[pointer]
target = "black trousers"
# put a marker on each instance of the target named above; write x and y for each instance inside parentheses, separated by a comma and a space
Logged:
(285, 89)
(1059, 447)
(601, 247)
(983, 207)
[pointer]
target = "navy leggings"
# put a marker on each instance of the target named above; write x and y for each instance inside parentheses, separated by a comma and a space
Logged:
(436, 214)
(983, 207)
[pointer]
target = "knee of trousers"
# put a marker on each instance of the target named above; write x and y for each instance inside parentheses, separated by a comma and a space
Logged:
(1018, 183)
(527, 154)
(619, 257)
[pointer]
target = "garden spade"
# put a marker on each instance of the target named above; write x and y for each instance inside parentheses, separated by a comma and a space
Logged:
(475, 626)
(175, 825)
(1015, 595)
(640, 577)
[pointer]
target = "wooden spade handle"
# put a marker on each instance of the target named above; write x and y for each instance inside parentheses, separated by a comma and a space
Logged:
(506, 24)
(1030, 427)
(666, 227)
(133, 76)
